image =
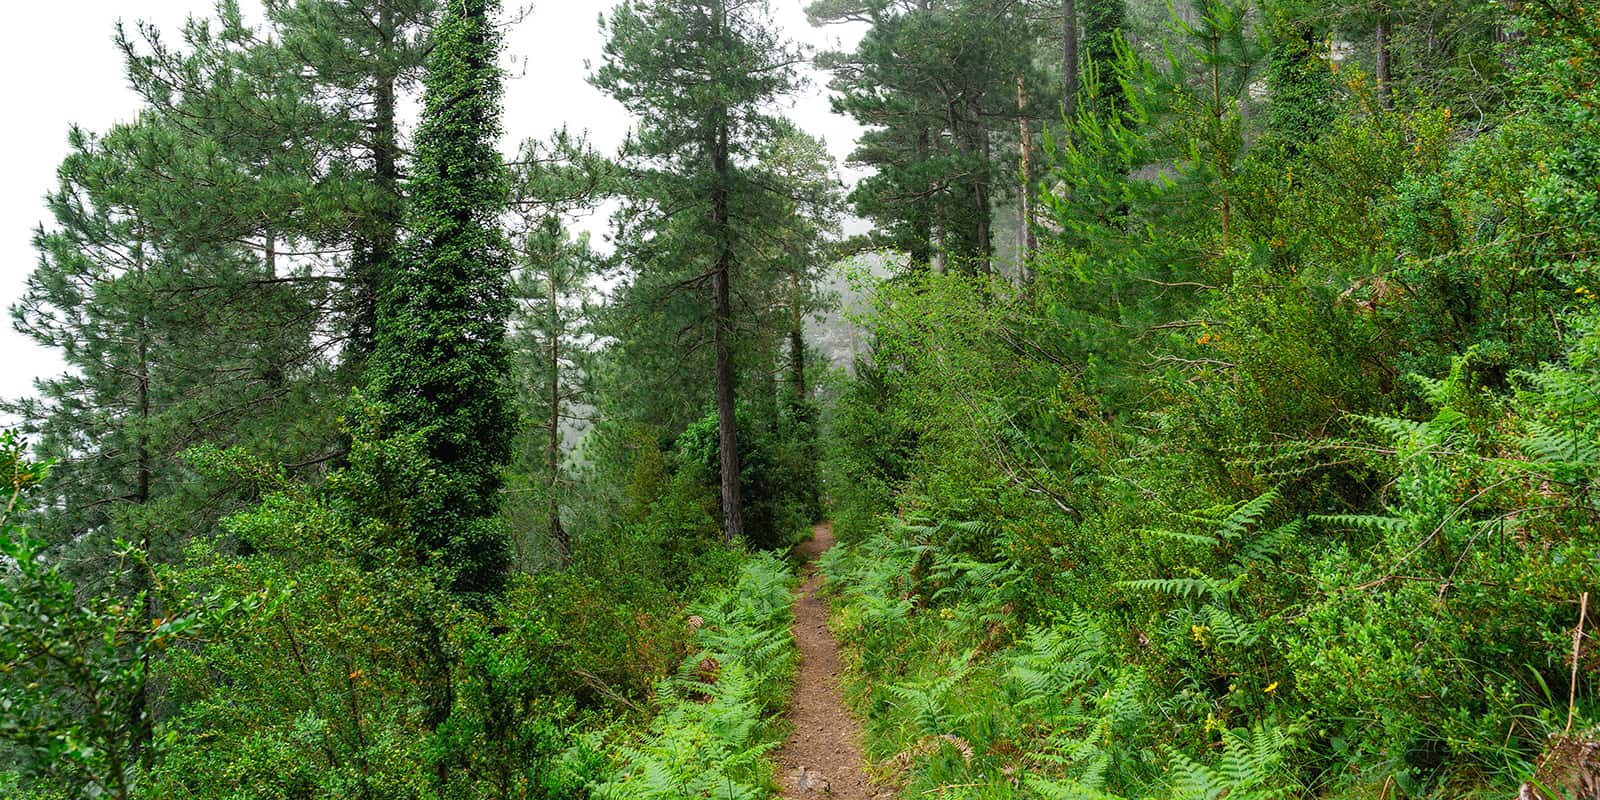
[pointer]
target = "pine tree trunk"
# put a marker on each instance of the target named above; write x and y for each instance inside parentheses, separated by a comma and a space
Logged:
(722, 288)
(923, 255)
(376, 247)
(141, 724)
(553, 448)
(797, 342)
(981, 200)
(1025, 236)
(1217, 114)
(727, 420)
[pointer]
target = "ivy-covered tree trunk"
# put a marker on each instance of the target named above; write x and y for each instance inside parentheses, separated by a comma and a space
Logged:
(441, 366)
(1069, 60)
(1103, 21)
(1301, 92)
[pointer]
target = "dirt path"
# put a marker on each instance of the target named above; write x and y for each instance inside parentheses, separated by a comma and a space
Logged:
(823, 756)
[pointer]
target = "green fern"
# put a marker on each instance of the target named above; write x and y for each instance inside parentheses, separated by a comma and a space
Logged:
(1248, 516)
(718, 747)
(1201, 587)
(1229, 629)
(1365, 522)
(1053, 789)
(1250, 768)
(929, 701)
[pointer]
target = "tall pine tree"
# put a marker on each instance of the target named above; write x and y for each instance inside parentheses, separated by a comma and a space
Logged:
(700, 76)
(304, 109)
(936, 84)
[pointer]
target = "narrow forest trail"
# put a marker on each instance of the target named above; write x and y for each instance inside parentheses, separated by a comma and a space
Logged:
(823, 754)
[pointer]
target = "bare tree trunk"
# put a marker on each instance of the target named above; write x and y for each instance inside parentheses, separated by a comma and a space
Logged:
(1223, 169)
(981, 200)
(1025, 237)
(727, 420)
(925, 255)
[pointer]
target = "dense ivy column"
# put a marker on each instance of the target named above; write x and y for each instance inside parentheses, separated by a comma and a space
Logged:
(1301, 85)
(1103, 21)
(441, 366)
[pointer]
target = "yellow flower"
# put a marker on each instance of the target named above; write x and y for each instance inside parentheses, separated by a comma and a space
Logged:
(1198, 632)
(1272, 688)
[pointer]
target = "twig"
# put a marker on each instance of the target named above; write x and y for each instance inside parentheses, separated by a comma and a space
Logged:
(1577, 646)
(600, 686)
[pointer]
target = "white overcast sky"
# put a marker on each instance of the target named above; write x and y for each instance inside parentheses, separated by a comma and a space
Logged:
(65, 70)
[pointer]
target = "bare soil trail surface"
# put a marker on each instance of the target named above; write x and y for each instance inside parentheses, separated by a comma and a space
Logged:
(822, 758)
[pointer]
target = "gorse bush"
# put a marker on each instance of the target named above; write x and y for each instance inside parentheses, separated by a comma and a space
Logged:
(715, 727)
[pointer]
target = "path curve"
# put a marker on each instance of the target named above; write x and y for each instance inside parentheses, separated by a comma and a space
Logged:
(823, 755)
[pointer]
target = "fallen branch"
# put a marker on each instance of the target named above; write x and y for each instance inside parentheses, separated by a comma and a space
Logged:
(593, 682)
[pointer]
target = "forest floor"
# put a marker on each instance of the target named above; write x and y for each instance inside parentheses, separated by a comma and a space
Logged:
(823, 754)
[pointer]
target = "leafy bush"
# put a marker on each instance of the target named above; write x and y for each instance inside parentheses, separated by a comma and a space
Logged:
(1292, 500)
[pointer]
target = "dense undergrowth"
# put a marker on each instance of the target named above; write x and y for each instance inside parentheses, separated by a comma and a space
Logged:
(1297, 501)
(303, 669)
(1422, 648)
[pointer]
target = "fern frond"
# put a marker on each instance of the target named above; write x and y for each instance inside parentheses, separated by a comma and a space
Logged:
(1268, 546)
(1197, 539)
(1397, 430)
(1566, 445)
(1246, 516)
(1180, 587)
(1365, 522)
